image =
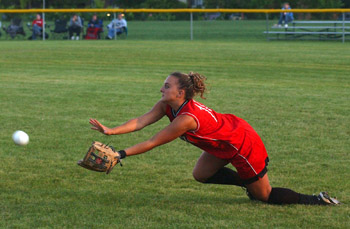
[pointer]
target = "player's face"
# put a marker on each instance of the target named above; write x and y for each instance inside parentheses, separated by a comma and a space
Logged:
(170, 90)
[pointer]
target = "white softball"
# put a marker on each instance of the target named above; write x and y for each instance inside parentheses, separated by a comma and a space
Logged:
(20, 137)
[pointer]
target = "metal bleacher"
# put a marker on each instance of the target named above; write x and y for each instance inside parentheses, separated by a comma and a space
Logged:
(307, 30)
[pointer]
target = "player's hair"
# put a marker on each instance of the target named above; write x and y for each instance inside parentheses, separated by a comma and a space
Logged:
(192, 83)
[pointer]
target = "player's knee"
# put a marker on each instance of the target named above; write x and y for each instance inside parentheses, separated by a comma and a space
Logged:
(198, 177)
(263, 198)
(262, 195)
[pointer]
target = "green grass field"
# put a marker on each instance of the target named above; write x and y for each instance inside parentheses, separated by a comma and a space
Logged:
(295, 94)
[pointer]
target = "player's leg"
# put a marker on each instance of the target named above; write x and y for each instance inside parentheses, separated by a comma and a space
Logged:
(210, 169)
(262, 190)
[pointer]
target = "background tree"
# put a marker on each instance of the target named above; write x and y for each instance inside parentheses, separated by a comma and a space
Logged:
(253, 4)
(167, 4)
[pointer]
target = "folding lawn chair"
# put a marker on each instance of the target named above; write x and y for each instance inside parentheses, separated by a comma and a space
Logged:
(40, 35)
(15, 28)
(93, 33)
(124, 30)
(60, 29)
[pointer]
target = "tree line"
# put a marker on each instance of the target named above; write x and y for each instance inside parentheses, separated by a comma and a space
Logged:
(247, 4)
(171, 4)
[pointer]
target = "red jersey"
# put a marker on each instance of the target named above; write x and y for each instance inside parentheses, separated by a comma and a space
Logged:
(38, 22)
(219, 134)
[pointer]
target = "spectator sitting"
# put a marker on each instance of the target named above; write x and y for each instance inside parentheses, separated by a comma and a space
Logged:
(94, 28)
(75, 26)
(285, 17)
(117, 26)
(37, 27)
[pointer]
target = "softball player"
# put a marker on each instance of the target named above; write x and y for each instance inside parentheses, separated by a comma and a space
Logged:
(224, 138)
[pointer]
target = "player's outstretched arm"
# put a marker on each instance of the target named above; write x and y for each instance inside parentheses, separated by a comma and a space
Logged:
(155, 114)
(176, 128)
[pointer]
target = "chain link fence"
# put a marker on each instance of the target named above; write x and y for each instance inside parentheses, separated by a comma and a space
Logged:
(177, 24)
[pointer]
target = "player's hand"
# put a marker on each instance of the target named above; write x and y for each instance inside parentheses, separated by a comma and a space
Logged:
(96, 125)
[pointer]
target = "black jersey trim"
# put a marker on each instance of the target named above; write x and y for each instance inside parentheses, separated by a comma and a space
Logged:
(175, 113)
